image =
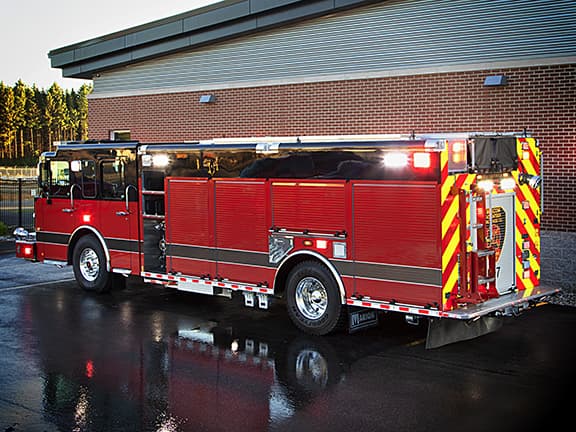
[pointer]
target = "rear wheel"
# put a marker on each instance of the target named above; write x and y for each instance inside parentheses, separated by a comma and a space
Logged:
(313, 299)
(89, 264)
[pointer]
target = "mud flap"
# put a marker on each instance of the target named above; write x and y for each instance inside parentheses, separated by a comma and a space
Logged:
(446, 331)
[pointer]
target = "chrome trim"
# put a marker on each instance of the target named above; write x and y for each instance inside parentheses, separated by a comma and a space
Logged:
(122, 271)
(58, 264)
(285, 232)
(324, 261)
(99, 236)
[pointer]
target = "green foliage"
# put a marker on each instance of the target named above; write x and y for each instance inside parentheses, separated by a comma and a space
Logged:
(3, 229)
(31, 119)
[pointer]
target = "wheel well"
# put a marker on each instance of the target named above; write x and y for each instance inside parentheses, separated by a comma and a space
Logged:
(287, 266)
(83, 232)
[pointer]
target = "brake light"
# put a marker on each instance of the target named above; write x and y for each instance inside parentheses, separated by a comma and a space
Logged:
(421, 160)
(25, 250)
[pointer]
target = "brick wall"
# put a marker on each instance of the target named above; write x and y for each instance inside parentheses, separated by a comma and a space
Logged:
(541, 99)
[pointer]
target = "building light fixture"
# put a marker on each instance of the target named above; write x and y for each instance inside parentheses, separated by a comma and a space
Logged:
(207, 98)
(495, 81)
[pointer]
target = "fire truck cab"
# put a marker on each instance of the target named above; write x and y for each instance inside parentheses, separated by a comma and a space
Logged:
(445, 227)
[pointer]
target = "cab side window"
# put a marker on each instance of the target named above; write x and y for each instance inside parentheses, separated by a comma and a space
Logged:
(55, 178)
(113, 175)
(84, 176)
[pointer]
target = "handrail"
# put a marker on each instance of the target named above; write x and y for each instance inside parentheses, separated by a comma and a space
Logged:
(71, 209)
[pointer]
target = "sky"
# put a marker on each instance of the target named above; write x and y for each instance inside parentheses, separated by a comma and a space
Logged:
(32, 28)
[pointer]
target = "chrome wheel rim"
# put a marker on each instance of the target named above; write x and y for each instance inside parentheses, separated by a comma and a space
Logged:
(89, 264)
(311, 298)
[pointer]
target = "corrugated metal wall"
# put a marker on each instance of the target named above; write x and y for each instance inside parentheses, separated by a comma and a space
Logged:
(389, 36)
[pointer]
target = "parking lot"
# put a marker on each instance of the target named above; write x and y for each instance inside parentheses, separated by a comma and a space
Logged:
(148, 358)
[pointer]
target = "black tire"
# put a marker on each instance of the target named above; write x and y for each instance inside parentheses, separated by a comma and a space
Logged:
(89, 264)
(313, 299)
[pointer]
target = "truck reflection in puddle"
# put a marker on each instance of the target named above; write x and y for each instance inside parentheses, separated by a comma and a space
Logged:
(113, 365)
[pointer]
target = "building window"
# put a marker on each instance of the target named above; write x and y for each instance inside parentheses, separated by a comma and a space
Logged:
(120, 135)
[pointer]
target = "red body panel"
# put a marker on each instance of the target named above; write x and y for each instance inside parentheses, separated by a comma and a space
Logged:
(120, 232)
(190, 222)
(397, 224)
(309, 205)
(188, 210)
(241, 221)
(399, 292)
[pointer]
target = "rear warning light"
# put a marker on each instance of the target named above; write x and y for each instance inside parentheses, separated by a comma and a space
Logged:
(25, 250)
(457, 155)
(422, 160)
(507, 183)
(486, 185)
(395, 160)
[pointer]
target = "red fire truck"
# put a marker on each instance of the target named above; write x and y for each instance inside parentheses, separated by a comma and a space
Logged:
(444, 227)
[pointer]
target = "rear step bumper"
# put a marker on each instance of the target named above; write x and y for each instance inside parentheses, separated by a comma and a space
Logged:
(502, 304)
(506, 304)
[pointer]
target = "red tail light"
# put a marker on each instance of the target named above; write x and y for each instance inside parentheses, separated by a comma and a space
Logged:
(25, 250)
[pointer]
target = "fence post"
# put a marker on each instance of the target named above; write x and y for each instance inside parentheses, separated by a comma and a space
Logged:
(19, 201)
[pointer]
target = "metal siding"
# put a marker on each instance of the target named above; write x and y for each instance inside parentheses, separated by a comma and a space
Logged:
(393, 35)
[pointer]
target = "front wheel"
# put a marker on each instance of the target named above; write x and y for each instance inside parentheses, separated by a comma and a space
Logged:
(313, 299)
(89, 264)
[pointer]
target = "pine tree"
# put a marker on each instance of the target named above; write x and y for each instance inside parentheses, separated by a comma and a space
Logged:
(19, 118)
(6, 120)
(33, 120)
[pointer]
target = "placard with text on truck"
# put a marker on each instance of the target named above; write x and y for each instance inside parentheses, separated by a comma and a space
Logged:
(443, 227)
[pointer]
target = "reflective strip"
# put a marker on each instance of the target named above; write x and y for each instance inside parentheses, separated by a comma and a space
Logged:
(52, 237)
(390, 272)
(117, 244)
(472, 311)
(225, 256)
(175, 279)
(122, 245)
(407, 309)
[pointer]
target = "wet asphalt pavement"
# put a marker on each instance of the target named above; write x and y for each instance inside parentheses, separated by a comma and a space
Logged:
(151, 359)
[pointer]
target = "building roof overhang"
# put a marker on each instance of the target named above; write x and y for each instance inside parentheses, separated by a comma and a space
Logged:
(200, 27)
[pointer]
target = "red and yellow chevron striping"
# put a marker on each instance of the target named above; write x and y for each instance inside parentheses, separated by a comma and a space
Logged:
(451, 228)
(528, 214)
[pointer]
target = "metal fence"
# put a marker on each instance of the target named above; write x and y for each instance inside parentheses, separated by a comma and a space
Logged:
(17, 202)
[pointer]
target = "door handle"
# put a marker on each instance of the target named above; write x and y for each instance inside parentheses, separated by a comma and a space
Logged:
(122, 213)
(68, 210)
